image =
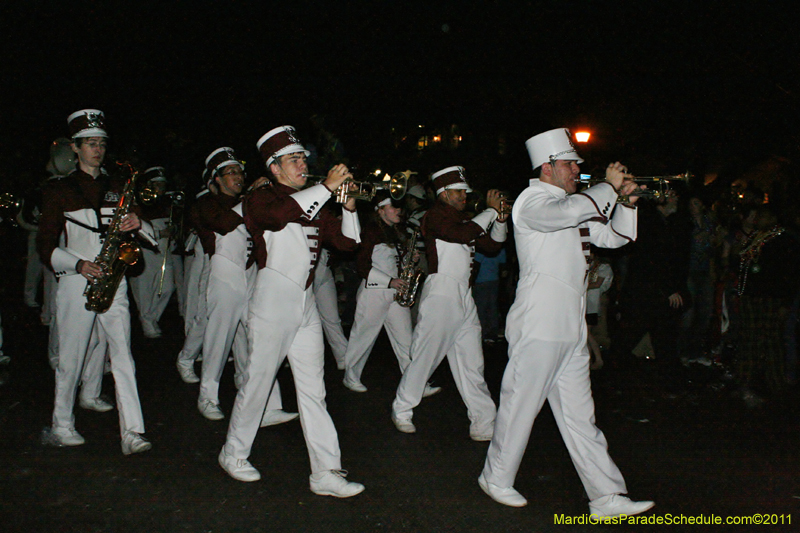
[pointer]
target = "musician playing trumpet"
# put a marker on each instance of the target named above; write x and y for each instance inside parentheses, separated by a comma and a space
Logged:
(546, 329)
(448, 320)
(383, 250)
(289, 229)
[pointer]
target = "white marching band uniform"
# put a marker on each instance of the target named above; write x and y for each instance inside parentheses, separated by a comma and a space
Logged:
(145, 286)
(230, 285)
(448, 325)
(284, 322)
(547, 332)
(376, 308)
(328, 306)
(75, 322)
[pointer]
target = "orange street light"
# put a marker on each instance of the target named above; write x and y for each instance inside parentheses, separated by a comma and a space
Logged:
(582, 136)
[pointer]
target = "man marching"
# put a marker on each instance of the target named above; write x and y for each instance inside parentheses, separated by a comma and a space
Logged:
(546, 328)
(289, 230)
(448, 320)
(75, 216)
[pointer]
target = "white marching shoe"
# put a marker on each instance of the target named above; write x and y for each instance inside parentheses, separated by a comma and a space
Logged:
(186, 370)
(210, 409)
(333, 483)
(95, 404)
(65, 437)
(404, 425)
(238, 469)
(508, 496)
(150, 329)
(430, 390)
(134, 443)
(616, 505)
(273, 417)
(355, 386)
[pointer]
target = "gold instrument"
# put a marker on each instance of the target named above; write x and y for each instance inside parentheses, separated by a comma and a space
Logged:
(149, 195)
(116, 255)
(365, 190)
(177, 200)
(410, 273)
(660, 193)
(476, 202)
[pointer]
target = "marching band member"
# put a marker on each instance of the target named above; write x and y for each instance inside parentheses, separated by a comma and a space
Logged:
(328, 306)
(448, 320)
(76, 211)
(546, 327)
(230, 283)
(383, 249)
(198, 270)
(289, 228)
(146, 286)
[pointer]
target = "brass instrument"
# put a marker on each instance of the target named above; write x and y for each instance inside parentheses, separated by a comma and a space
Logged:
(476, 202)
(660, 193)
(177, 200)
(410, 273)
(116, 254)
(365, 190)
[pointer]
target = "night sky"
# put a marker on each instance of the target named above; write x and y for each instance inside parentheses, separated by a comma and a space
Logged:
(671, 85)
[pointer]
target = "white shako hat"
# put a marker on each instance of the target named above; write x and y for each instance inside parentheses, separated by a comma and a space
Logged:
(154, 174)
(449, 178)
(87, 123)
(279, 141)
(551, 146)
(219, 158)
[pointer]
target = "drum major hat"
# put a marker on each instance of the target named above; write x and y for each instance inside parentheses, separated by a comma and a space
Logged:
(551, 146)
(87, 123)
(279, 141)
(450, 178)
(220, 158)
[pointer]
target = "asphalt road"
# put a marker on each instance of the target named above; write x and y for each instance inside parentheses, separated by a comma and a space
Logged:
(693, 448)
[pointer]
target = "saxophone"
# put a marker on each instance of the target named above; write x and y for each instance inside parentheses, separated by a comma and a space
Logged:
(116, 255)
(410, 273)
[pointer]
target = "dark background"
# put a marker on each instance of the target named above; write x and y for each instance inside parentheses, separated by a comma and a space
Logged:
(703, 85)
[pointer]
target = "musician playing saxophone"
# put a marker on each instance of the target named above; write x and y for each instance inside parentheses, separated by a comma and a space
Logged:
(76, 211)
(383, 250)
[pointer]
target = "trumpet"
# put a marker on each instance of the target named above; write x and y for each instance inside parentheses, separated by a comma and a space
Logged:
(477, 202)
(661, 192)
(365, 190)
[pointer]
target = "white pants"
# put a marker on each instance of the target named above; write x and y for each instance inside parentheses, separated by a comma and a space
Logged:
(146, 285)
(49, 299)
(196, 313)
(557, 371)
(227, 304)
(178, 280)
(75, 325)
(448, 325)
(284, 321)
(328, 306)
(375, 309)
(33, 271)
